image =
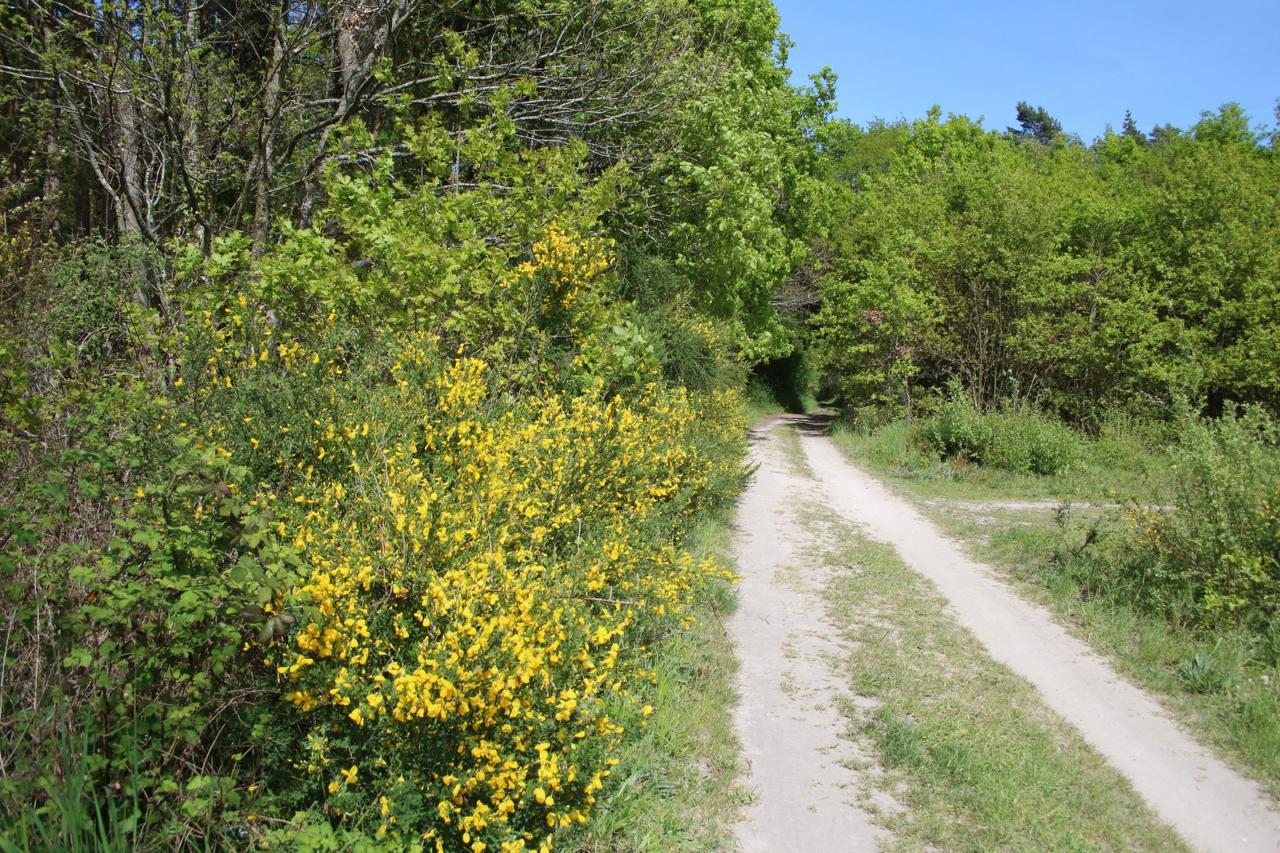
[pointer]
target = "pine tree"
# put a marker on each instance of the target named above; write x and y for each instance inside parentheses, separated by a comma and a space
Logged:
(1130, 129)
(1035, 123)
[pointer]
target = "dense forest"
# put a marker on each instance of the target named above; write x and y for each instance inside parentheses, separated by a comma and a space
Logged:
(365, 366)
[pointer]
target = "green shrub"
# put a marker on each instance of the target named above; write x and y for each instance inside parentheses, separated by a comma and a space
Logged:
(1015, 438)
(691, 352)
(1029, 442)
(957, 430)
(132, 566)
(318, 555)
(184, 493)
(91, 294)
(1219, 549)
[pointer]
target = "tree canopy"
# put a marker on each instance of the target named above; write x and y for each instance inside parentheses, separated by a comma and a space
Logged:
(1035, 123)
(1118, 274)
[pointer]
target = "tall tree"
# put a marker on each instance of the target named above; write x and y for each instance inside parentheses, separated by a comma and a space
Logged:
(1130, 129)
(1036, 123)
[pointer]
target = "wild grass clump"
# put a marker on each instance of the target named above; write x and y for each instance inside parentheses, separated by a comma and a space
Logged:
(1014, 438)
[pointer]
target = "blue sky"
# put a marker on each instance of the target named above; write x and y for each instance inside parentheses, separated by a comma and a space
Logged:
(1085, 61)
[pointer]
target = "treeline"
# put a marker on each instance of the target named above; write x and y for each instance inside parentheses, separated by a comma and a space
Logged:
(363, 369)
(1026, 265)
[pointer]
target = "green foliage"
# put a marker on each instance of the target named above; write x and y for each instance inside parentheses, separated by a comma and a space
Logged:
(1036, 123)
(309, 832)
(695, 352)
(1129, 129)
(958, 429)
(1029, 442)
(1215, 558)
(133, 571)
(789, 380)
(1124, 275)
(1085, 559)
(687, 104)
(1089, 559)
(852, 154)
(167, 472)
(1015, 438)
(92, 291)
(1203, 674)
(743, 195)
(280, 299)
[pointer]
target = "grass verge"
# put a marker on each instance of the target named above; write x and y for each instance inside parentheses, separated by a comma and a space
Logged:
(675, 787)
(979, 762)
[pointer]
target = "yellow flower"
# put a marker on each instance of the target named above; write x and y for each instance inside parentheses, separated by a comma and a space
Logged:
(349, 775)
(435, 590)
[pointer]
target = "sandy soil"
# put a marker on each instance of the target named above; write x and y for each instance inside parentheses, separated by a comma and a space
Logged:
(801, 772)
(790, 743)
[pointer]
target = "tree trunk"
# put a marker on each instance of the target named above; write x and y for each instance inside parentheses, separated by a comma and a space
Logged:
(51, 191)
(191, 128)
(131, 209)
(267, 134)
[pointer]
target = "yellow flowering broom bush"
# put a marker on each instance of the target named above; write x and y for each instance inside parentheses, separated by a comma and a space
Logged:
(475, 603)
(478, 580)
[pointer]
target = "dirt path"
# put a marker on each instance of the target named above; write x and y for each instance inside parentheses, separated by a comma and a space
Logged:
(799, 769)
(790, 736)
